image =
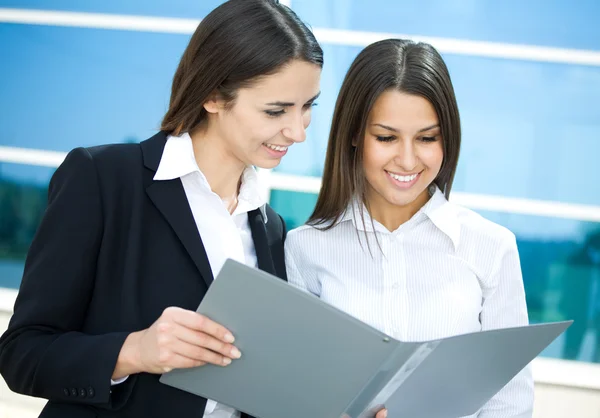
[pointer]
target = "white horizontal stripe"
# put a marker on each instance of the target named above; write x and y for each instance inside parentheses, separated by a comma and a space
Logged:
(293, 183)
(31, 156)
(7, 299)
(576, 374)
(306, 184)
(99, 21)
(527, 206)
(545, 370)
(590, 213)
(328, 36)
(467, 47)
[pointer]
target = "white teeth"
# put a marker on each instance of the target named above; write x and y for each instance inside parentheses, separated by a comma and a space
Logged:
(276, 147)
(404, 179)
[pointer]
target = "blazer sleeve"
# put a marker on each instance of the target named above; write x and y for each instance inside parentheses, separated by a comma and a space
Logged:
(44, 352)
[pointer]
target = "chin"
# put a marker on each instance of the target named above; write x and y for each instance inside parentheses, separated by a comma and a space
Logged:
(267, 163)
(404, 200)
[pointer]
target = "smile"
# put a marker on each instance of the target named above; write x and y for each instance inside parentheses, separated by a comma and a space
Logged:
(276, 147)
(404, 179)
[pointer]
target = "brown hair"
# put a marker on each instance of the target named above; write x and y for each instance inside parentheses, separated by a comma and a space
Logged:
(413, 68)
(232, 47)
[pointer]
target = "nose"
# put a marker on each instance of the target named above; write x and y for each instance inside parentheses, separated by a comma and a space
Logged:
(406, 156)
(296, 128)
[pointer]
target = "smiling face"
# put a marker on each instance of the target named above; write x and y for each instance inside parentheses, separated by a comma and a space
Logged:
(403, 152)
(267, 117)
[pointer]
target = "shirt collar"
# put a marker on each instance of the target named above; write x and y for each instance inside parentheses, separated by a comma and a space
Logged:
(178, 160)
(438, 210)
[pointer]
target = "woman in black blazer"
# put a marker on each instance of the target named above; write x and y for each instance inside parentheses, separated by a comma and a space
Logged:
(125, 251)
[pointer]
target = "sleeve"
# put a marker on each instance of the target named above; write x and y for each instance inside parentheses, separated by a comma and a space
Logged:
(298, 273)
(504, 306)
(44, 352)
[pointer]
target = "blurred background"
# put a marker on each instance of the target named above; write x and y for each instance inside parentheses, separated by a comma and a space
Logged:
(527, 80)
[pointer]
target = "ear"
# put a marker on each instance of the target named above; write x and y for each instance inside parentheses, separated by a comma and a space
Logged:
(212, 104)
(355, 142)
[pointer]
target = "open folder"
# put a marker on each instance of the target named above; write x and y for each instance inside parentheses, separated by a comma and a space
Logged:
(302, 358)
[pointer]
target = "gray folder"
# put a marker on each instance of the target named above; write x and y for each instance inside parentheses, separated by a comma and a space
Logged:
(302, 358)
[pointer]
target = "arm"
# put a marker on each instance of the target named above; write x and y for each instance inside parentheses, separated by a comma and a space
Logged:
(504, 306)
(43, 353)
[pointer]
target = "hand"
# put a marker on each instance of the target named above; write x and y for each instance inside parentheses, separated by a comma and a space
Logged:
(382, 414)
(178, 339)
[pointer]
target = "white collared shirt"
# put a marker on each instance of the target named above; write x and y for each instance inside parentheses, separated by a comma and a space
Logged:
(224, 235)
(447, 271)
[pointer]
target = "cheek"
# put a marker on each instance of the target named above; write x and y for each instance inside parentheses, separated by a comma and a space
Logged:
(375, 158)
(259, 130)
(433, 157)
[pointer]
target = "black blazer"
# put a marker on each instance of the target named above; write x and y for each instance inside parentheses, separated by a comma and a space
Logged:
(114, 249)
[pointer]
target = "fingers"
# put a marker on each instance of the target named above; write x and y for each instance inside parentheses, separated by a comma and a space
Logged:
(382, 414)
(192, 354)
(200, 339)
(186, 339)
(197, 322)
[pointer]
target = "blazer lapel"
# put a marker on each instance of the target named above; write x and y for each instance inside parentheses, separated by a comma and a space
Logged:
(261, 242)
(170, 199)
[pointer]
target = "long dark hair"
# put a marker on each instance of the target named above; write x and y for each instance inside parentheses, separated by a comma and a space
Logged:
(403, 65)
(235, 44)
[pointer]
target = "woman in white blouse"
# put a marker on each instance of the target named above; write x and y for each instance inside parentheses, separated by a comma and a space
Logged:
(383, 243)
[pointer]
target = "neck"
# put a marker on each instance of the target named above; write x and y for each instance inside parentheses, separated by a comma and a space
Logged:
(222, 170)
(390, 215)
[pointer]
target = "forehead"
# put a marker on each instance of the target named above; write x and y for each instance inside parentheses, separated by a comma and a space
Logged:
(297, 80)
(402, 110)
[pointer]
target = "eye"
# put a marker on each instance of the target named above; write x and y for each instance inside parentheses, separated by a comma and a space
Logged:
(385, 138)
(275, 113)
(309, 105)
(428, 138)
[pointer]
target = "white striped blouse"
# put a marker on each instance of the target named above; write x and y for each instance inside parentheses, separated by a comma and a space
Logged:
(447, 271)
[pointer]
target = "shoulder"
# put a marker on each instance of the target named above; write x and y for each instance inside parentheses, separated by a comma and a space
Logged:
(478, 230)
(121, 157)
(102, 157)
(296, 235)
(484, 245)
(309, 239)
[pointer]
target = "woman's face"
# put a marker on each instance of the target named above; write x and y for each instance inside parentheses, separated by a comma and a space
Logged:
(268, 117)
(403, 151)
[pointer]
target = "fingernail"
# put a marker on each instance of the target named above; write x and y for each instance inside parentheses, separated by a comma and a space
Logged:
(229, 338)
(235, 353)
(385, 414)
(226, 361)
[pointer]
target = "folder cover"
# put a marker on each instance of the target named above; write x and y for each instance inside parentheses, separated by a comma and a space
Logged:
(304, 358)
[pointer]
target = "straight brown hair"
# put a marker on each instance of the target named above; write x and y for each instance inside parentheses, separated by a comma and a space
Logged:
(403, 65)
(233, 46)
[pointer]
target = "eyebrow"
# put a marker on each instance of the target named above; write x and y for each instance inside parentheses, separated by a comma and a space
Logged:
(290, 104)
(389, 128)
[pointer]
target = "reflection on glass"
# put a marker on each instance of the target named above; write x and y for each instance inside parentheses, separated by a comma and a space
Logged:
(23, 196)
(294, 207)
(579, 281)
(560, 260)
(506, 120)
(174, 8)
(473, 20)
